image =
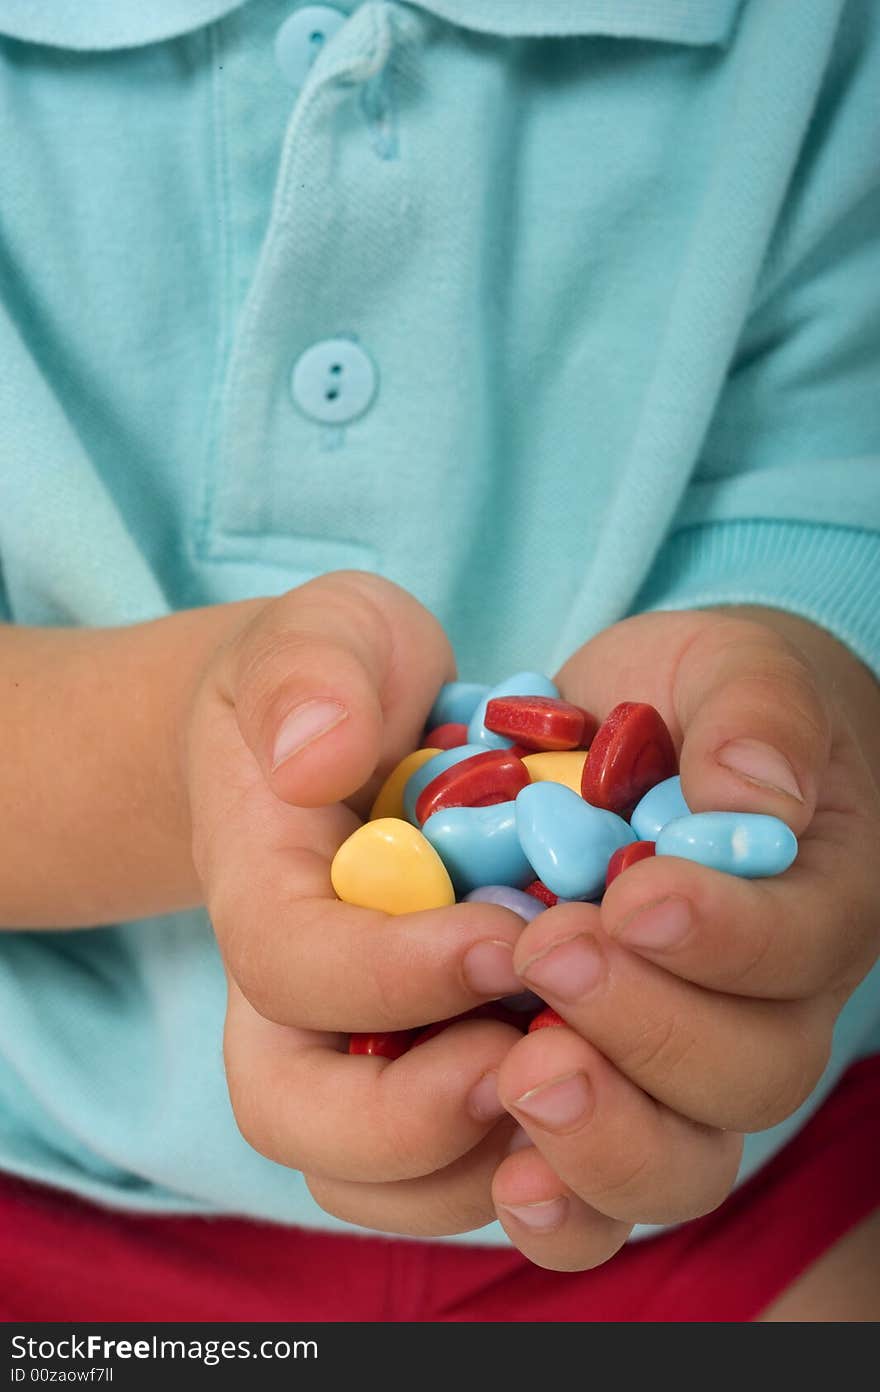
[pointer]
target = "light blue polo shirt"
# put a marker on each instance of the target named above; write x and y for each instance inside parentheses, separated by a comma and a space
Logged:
(552, 311)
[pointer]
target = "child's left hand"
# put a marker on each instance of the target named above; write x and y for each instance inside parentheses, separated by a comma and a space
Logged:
(700, 1005)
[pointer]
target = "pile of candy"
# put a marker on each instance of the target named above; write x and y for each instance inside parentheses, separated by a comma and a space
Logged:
(519, 798)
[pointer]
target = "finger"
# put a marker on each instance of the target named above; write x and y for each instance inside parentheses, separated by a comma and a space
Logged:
(304, 958)
(333, 682)
(455, 1199)
(301, 1101)
(624, 1154)
(547, 1222)
(723, 1060)
(757, 731)
(812, 929)
(741, 704)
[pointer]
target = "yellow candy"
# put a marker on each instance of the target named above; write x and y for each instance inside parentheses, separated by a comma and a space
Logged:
(555, 767)
(388, 864)
(389, 799)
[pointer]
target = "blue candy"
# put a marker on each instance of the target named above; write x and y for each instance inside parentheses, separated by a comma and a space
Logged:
(746, 844)
(661, 804)
(521, 684)
(429, 771)
(479, 846)
(567, 841)
(456, 703)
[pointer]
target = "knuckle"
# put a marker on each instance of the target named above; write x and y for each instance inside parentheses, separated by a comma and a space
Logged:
(755, 961)
(268, 654)
(622, 1181)
(659, 1048)
(383, 982)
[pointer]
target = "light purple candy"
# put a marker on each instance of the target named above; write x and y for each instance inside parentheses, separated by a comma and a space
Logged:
(526, 905)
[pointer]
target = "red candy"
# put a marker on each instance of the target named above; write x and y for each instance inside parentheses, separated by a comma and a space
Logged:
(625, 856)
(540, 722)
(391, 1046)
(539, 890)
(480, 781)
(545, 1019)
(632, 751)
(445, 737)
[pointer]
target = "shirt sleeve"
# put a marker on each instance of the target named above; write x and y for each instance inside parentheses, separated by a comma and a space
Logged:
(783, 508)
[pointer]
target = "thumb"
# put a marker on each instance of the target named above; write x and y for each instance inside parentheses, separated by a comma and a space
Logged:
(757, 732)
(332, 682)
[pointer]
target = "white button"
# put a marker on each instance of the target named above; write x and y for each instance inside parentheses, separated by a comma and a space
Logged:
(333, 381)
(301, 38)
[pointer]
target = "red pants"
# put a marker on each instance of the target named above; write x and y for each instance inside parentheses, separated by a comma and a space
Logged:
(62, 1259)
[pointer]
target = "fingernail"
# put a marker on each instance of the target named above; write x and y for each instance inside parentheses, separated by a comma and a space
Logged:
(520, 1140)
(488, 969)
(483, 1101)
(657, 926)
(760, 764)
(303, 725)
(560, 1104)
(543, 1217)
(568, 970)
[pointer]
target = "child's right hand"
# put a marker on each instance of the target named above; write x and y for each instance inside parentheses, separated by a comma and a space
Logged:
(408, 1146)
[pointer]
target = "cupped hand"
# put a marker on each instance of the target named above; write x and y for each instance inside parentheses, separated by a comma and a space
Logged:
(296, 722)
(698, 1005)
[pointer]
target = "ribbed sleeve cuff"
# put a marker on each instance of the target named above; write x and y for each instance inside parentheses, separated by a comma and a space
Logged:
(830, 575)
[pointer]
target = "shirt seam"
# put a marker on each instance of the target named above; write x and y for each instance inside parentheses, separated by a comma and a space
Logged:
(223, 235)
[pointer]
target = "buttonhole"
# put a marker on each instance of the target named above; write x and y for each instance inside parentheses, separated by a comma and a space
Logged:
(336, 368)
(316, 37)
(331, 393)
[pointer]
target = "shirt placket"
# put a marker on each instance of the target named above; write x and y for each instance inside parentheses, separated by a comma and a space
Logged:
(299, 374)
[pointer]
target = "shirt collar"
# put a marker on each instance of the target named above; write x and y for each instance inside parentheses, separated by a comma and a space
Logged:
(676, 21)
(107, 24)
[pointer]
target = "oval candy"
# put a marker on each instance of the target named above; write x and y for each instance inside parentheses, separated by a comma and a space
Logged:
(520, 684)
(479, 846)
(528, 906)
(567, 841)
(389, 865)
(747, 844)
(445, 737)
(538, 890)
(546, 1019)
(542, 723)
(631, 751)
(661, 804)
(494, 776)
(552, 767)
(626, 856)
(392, 1045)
(389, 799)
(428, 771)
(456, 702)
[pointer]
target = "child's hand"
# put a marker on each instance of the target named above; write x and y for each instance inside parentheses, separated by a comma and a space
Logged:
(360, 656)
(700, 1005)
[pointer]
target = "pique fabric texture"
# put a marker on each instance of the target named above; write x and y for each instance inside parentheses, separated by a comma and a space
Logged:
(606, 273)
